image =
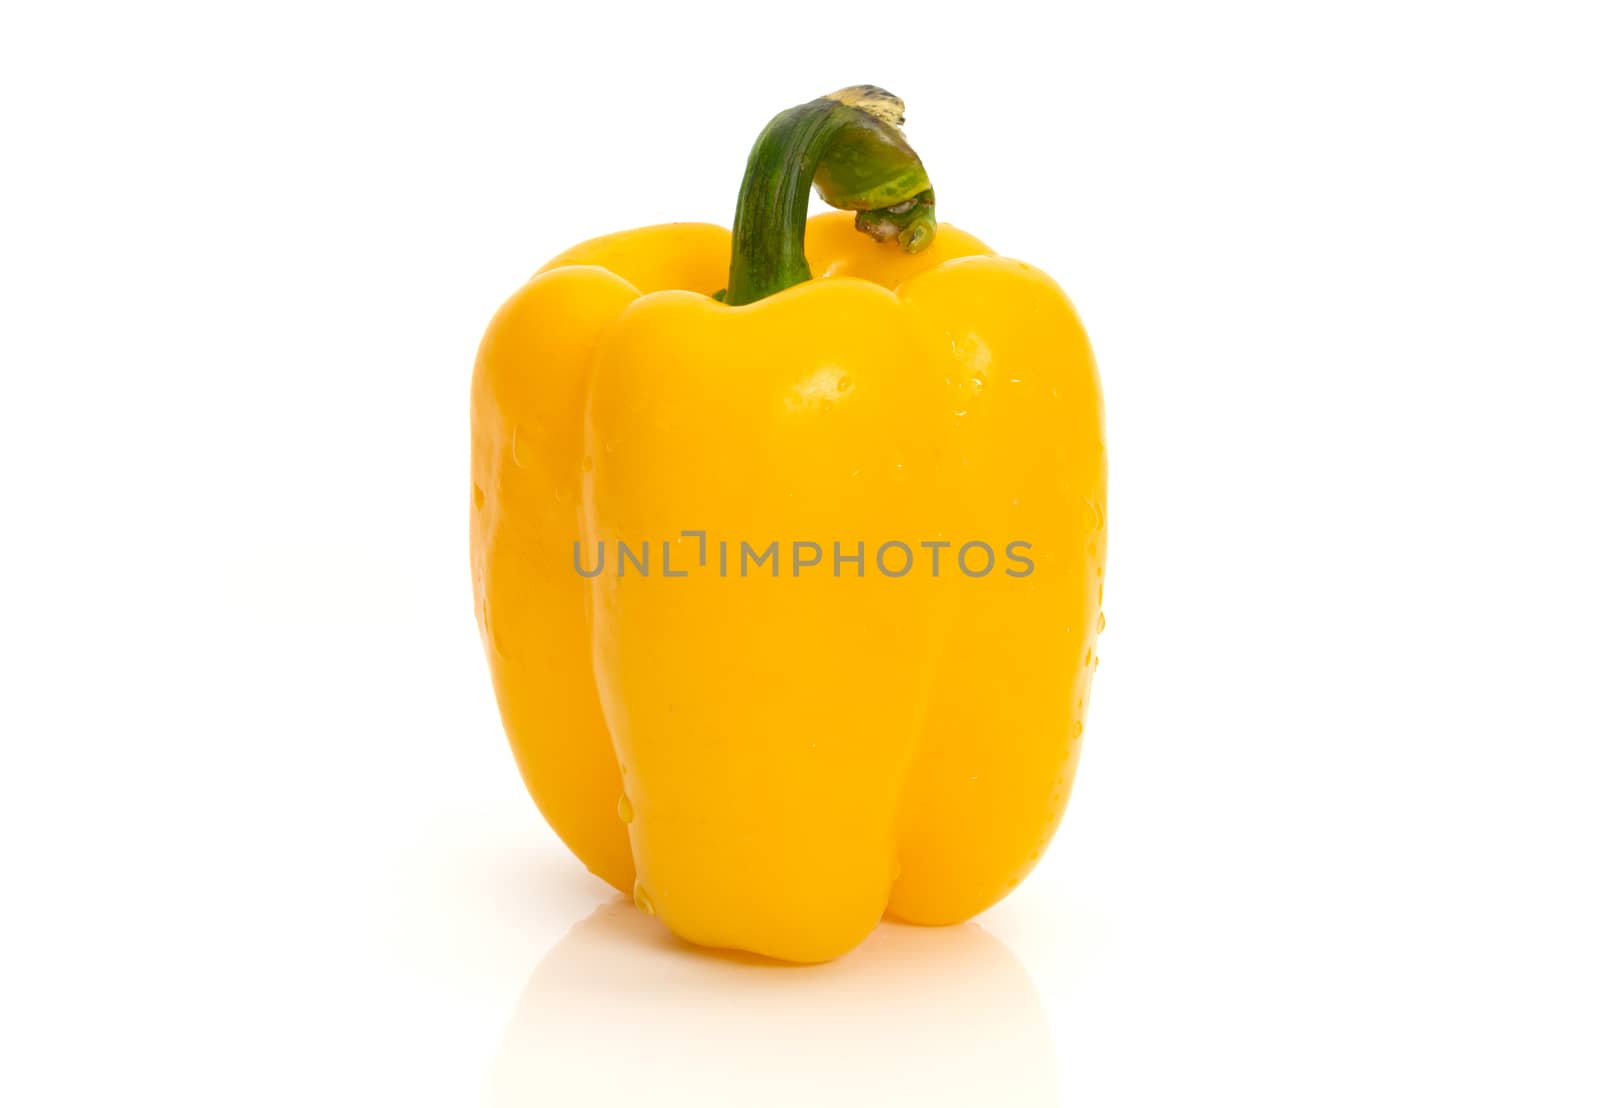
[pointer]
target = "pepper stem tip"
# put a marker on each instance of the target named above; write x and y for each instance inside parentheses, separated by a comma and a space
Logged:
(848, 146)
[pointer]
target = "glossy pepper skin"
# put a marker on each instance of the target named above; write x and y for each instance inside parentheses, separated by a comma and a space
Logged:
(772, 763)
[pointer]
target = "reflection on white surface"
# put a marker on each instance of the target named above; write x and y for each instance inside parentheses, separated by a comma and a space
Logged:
(621, 1012)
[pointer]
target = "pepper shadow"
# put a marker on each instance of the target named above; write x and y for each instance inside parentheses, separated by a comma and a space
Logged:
(621, 1012)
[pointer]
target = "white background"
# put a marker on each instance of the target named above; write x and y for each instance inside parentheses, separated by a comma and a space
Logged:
(1334, 839)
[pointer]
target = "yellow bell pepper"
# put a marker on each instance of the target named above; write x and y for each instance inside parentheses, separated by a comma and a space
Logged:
(732, 498)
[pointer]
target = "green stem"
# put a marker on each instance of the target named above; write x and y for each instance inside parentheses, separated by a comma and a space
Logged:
(848, 144)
